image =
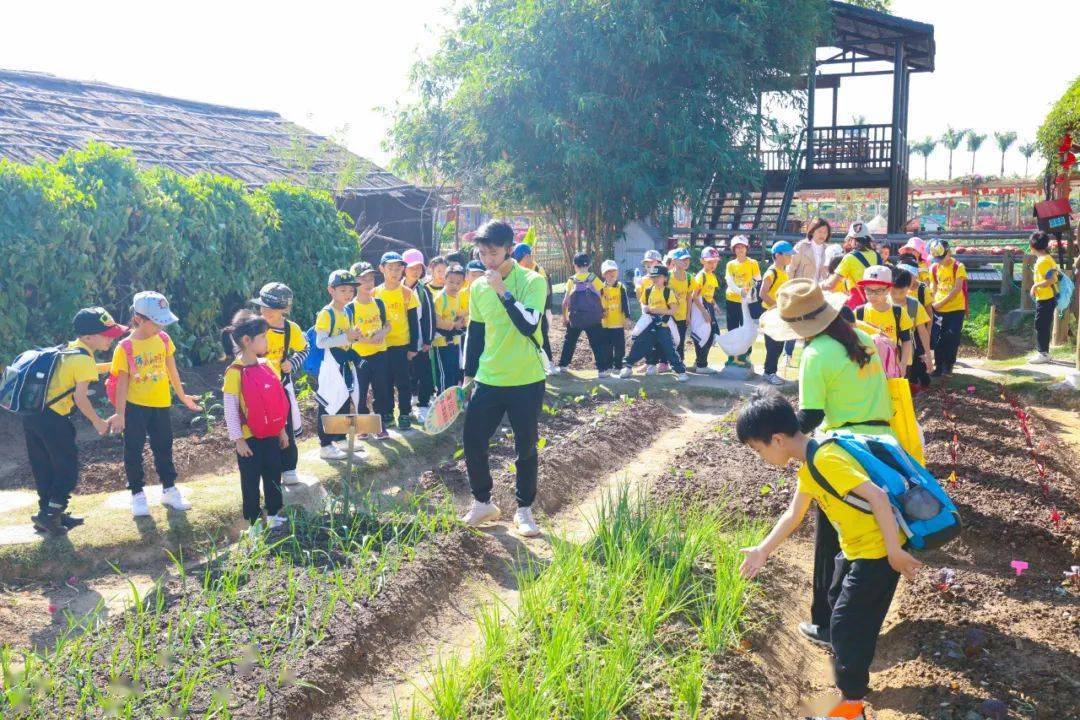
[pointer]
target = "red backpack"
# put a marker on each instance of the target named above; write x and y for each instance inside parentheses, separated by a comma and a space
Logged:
(114, 378)
(265, 403)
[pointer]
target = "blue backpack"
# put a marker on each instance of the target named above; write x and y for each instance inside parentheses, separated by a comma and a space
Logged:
(314, 358)
(926, 515)
(25, 381)
(1065, 289)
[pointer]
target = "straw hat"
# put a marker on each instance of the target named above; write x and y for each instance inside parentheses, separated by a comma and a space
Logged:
(802, 310)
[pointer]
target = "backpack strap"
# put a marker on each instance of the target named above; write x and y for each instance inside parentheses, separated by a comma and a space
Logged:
(350, 312)
(820, 479)
(897, 313)
(860, 313)
(71, 390)
(922, 293)
(912, 308)
(861, 258)
(382, 311)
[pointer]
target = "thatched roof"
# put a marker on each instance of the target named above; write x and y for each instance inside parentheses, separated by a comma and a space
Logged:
(42, 116)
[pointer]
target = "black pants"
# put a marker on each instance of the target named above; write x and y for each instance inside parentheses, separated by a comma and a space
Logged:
(398, 378)
(54, 457)
(826, 546)
(859, 596)
(656, 338)
(949, 325)
(423, 381)
(612, 349)
(372, 375)
(290, 456)
(733, 310)
(917, 373)
(654, 357)
(773, 350)
(570, 344)
(447, 366)
(521, 404)
(1044, 323)
(701, 352)
(140, 423)
(545, 336)
(265, 465)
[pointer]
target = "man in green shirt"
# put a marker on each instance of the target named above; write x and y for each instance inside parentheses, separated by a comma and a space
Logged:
(502, 353)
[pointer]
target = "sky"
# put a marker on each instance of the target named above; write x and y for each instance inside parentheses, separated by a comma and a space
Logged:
(331, 65)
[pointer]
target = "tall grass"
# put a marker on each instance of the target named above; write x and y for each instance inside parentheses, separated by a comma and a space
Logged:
(647, 603)
(240, 623)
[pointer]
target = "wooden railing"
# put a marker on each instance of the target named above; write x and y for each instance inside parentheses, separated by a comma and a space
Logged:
(840, 147)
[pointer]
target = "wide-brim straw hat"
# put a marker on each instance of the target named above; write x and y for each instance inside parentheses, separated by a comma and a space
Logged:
(802, 310)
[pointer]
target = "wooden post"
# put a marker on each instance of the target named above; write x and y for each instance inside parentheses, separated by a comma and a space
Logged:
(1028, 279)
(1007, 275)
(990, 331)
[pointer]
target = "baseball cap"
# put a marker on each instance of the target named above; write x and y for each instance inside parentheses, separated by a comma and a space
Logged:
(680, 254)
(97, 321)
(877, 275)
(476, 265)
(710, 253)
(362, 268)
(858, 229)
(608, 265)
(910, 268)
(274, 296)
(937, 247)
(521, 250)
(339, 278)
(455, 269)
(391, 257)
(658, 270)
(917, 245)
(782, 248)
(739, 240)
(653, 255)
(412, 257)
(153, 305)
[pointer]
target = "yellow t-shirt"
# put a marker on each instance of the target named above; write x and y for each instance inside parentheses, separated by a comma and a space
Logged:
(706, 284)
(681, 288)
(581, 277)
(779, 278)
(946, 276)
(927, 297)
(463, 301)
(368, 319)
(921, 316)
(885, 322)
(448, 309)
(654, 299)
(70, 371)
(399, 302)
(231, 386)
(339, 325)
(1043, 267)
(744, 273)
(860, 536)
(852, 269)
(611, 298)
(924, 272)
(644, 284)
(150, 385)
(275, 344)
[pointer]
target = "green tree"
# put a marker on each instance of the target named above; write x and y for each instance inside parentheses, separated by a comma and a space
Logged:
(1005, 140)
(1063, 119)
(1027, 150)
(596, 112)
(974, 142)
(925, 147)
(882, 5)
(951, 139)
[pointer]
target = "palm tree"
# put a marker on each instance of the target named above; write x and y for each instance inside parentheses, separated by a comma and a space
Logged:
(951, 139)
(1005, 141)
(974, 142)
(1027, 150)
(925, 148)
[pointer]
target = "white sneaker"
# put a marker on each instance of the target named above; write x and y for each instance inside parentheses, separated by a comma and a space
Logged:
(650, 369)
(624, 373)
(558, 370)
(773, 379)
(332, 452)
(422, 413)
(139, 508)
(171, 498)
(526, 524)
(289, 477)
(480, 513)
(1040, 358)
(276, 521)
(681, 377)
(707, 370)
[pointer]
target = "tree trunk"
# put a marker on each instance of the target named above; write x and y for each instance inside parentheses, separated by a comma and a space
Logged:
(925, 164)
(950, 164)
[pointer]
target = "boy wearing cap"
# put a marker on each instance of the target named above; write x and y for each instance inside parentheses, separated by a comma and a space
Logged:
(704, 297)
(850, 270)
(145, 370)
(334, 333)
(370, 320)
(402, 308)
(421, 367)
(616, 303)
(680, 282)
(773, 279)
(948, 286)
(449, 327)
(642, 281)
(286, 349)
(50, 434)
(880, 316)
(585, 279)
(659, 304)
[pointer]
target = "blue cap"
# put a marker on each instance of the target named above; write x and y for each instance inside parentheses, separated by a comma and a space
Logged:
(476, 265)
(680, 254)
(521, 250)
(391, 257)
(782, 248)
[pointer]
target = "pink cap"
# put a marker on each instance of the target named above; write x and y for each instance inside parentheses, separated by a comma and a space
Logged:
(917, 244)
(412, 257)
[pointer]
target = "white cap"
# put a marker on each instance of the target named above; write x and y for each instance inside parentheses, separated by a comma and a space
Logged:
(739, 240)
(858, 229)
(653, 255)
(154, 306)
(877, 275)
(608, 265)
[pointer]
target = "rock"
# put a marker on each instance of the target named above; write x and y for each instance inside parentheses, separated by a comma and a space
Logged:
(734, 372)
(308, 494)
(974, 641)
(994, 709)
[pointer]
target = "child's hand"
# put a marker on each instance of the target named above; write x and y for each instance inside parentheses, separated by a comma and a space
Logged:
(410, 355)
(354, 334)
(242, 448)
(904, 563)
(116, 424)
(191, 403)
(101, 426)
(283, 439)
(753, 562)
(286, 366)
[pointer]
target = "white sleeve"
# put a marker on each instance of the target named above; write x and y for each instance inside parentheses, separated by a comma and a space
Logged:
(233, 422)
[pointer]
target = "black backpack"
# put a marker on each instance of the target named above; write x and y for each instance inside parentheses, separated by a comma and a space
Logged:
(26, 380)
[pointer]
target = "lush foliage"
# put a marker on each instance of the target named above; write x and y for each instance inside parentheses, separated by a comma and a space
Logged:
(93, 228)
(598, 112)
(1063, 118)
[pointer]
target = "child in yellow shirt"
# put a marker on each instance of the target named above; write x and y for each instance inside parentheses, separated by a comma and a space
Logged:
(369, 348)
(773, 280)
(1044, 292)
(450, 325)
(616, 303)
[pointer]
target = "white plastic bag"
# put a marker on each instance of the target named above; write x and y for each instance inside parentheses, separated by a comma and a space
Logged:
(700, 325)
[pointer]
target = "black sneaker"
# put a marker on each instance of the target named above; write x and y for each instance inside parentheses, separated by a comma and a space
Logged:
(404, 423)
(70, 521)
(815, 634)
(49, 522)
